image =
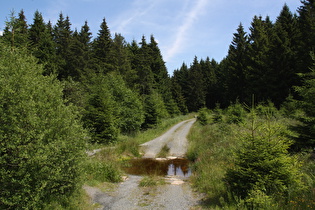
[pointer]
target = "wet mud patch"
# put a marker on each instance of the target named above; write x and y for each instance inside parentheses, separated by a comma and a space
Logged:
(161, 167)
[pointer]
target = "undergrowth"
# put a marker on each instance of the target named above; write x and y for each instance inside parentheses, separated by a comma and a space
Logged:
(216, 144)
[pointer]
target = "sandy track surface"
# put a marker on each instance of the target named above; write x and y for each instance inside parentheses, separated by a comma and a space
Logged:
(174, 138)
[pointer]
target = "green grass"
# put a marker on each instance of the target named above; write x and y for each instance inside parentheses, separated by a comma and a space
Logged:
(150, 181)
(212, 148)
(164, 152)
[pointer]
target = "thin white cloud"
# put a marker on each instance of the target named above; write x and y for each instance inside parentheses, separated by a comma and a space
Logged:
(136, 13)
(184, 28)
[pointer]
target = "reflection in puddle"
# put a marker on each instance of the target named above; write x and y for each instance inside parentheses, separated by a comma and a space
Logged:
(147, 166)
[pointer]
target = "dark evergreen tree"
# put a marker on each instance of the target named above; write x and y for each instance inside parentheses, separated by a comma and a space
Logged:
(178, 96)
(79, 61)
(63, 38)
(283, 57)
(120, 58)
(221, 87)
(180, 87)
(102, 48)
(306, 25)
(208, 68)
(99, 117)
(16, 30)
(161, 77)
(196, 94)
(306, 130)
(259, 75)
(132, 79)
(237, 66)
(41, 43)
(145, 77)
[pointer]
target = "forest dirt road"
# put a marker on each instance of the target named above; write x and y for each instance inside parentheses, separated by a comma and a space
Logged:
(175, 194)
(175, 139)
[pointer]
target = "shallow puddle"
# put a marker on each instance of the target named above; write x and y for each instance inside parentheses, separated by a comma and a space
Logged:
(148, 166)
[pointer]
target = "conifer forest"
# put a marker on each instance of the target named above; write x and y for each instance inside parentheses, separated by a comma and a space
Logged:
(64, 90)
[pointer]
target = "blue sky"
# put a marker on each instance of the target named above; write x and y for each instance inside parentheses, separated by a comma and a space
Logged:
(183, 28)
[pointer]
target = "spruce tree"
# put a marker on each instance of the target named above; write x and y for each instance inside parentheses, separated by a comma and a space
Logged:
(263, 164)
(41, 43)
(306, 130)
(237, 59)
(180, 87)
(129, 110)
(161, 77)
(101, 49)
(196, 94)
(133, 50)
(79, 60)
(283, 56)
(120, 58)
(62, 36)
(208, 68)
(145, 77)
(178, 96)
(99, 117)
(306, 25)
(259, 75)
(16, 30)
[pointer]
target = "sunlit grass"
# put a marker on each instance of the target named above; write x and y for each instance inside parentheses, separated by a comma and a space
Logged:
(212, 147)
(150, 181)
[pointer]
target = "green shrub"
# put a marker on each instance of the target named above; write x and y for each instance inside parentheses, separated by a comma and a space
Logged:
(262, 163)
(155, 110)
(236, 113)
(41, 139)
(204, 116)
(266, 110)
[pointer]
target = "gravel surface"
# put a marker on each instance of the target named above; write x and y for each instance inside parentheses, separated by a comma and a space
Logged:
(174, 138)
(176, 194)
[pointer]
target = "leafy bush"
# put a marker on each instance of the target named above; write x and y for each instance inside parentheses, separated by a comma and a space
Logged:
(41, 139)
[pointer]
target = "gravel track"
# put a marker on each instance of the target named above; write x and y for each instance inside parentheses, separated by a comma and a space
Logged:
(175, 195)
(129, 196)
(174, 138)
